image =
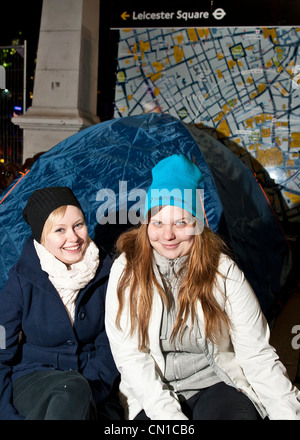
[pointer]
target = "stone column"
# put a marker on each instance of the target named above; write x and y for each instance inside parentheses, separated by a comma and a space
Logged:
(65, 85)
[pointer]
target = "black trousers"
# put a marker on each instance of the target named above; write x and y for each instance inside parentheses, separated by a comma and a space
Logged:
(218, 402)
(60, 395)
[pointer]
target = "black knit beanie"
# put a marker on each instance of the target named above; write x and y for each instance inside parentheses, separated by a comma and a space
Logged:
(42, 202)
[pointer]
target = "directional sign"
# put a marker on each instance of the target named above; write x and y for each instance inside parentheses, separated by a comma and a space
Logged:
(125, 15)
(204, 13)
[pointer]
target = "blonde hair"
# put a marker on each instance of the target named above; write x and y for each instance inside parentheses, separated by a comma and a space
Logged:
(53, 218)
(197, 284)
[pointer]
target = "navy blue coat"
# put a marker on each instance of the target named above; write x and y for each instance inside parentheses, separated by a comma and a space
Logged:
(30, 304)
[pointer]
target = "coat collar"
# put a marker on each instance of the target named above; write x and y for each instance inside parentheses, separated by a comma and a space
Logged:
(29, 268)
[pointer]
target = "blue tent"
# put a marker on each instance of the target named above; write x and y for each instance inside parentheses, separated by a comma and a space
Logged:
(116, 157)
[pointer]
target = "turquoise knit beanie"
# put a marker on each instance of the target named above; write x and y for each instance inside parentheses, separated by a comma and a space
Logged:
(176, 182)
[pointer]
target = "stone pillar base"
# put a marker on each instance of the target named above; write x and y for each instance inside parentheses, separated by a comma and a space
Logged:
(42, 132)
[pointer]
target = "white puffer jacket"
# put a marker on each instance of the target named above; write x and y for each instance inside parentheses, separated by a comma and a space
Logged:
(243, 358)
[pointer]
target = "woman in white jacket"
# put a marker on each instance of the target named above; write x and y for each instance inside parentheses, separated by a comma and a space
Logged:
(185, 328)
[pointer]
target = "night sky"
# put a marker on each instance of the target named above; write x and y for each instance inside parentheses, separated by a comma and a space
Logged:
(20, 20)
(20, 16)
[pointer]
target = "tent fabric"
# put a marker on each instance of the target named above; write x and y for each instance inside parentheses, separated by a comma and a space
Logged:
(94, 161)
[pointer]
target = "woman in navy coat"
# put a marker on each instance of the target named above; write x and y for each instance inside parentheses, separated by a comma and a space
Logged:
(56, 362)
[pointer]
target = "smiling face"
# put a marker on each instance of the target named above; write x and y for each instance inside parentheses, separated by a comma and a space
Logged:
(171, 232)
(67, 238)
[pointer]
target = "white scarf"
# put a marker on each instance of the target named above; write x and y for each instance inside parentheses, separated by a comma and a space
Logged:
(68, 282)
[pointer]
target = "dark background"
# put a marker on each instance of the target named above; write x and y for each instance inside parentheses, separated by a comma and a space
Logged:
(20, 20)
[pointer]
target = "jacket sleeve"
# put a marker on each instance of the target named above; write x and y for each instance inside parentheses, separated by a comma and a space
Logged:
(10, 320)
(139, 373)
(101, 365)
(105, 368)
(258, 359)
